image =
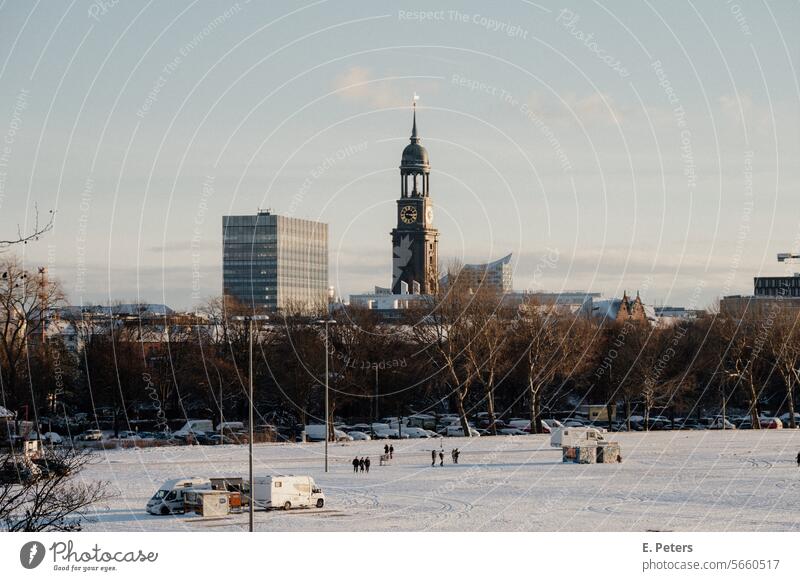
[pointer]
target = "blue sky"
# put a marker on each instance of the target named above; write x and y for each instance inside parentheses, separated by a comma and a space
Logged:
(649, 145)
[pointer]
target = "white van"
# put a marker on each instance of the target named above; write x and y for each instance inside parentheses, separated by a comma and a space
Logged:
(561, 437)
(169, 498)
(287, 492)
(195, 426)
(230, 426)
(316, 433)
(415, 432)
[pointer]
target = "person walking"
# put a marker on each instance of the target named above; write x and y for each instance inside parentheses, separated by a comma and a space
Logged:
(391, 452)
(453, 455)
(361, 464)
(441, 458)
(456, 453)
(367, 463)
(386, 449)
(433, 457)
(798, 459)
(355, 464)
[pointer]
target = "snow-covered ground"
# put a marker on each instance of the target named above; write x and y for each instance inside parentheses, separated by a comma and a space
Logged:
(668, 481)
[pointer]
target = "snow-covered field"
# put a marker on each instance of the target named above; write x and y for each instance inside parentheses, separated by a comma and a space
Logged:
(668, 481)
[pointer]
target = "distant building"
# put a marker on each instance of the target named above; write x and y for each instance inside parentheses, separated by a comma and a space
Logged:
(668, 316)
(272, 262)
(495, 276)
(572, 302)
(624, 310)
(772, 286)
(738, 306)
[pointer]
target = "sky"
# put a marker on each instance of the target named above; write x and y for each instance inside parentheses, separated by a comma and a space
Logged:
(610, 146)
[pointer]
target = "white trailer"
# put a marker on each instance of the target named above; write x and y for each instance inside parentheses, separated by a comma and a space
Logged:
(287, 492)
(561, 437)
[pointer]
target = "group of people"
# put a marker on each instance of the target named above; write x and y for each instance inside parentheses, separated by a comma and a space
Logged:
(388, 450)
(454, 453)
(361, 464)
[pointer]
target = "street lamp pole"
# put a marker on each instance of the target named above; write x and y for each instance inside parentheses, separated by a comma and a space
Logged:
(250, 425)
(249, 319)
(327, 322)
(327, 416)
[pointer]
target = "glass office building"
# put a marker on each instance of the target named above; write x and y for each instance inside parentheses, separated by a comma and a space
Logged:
(272, 262)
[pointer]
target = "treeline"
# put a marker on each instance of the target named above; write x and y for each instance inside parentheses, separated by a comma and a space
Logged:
(464, 351)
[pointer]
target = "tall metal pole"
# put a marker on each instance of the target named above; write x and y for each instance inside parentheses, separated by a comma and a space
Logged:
(250, 437)
(327, 417)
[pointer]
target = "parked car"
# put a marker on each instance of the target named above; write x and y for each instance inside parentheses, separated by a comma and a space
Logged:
(717, 424)
(415, 432)
(128, 435)
(359, 436)
(91, 436)
(51, 438)
(391, 434)
(219, 439)
(771, 423)
(458, 431)
(573, 423)
(512, 432)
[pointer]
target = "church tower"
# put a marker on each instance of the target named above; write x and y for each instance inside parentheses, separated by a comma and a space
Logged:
(414, 240)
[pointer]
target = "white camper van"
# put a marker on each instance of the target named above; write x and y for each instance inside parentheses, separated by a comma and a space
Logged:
(169, 498)
(287, 492)
(561, 437)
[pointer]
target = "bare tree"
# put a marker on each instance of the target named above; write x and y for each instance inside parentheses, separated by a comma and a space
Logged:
(784, 350)
(37, 230)
(485, 352)
(25, 300)
(444, 332)
(53, 500)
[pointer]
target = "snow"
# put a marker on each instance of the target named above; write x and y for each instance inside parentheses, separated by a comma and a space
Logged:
(668, 481)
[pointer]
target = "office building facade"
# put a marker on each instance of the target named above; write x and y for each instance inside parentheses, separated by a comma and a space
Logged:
(272, 262)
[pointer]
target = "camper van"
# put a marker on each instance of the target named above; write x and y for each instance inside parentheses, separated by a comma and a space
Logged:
(286, 492)
(169, 498)
(561, 437)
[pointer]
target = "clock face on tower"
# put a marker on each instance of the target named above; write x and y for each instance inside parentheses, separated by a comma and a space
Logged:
(408, 214)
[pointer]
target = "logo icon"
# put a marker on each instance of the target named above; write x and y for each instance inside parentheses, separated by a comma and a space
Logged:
(31, 554)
